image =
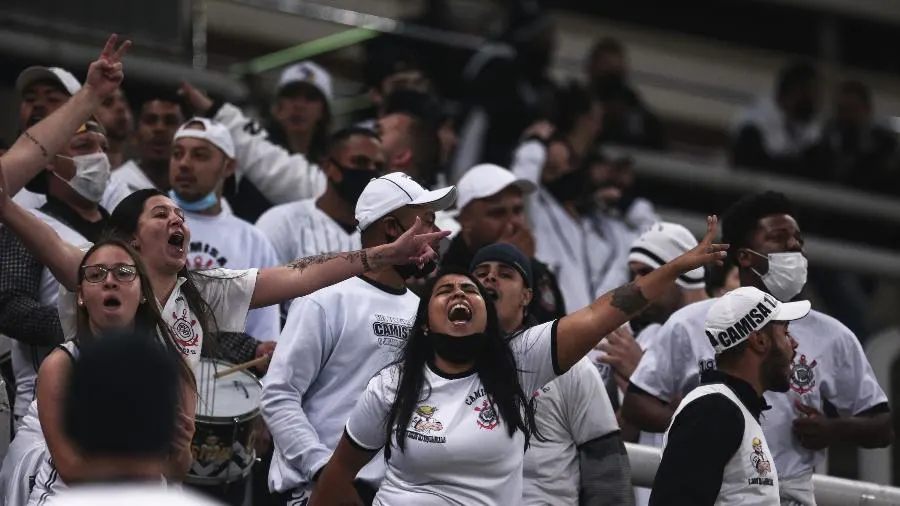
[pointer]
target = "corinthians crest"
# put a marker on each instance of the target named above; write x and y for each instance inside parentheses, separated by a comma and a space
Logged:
(183, 328)
(487, 416)
(803, 376)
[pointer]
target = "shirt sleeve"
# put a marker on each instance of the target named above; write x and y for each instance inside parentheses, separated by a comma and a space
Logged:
(588, 411)
(853, 388)
(366, 427)
(279, 175)
(535, 352)
(656, 373)
(22, 316)
(228, 293)
(305, 345)
(704, 436)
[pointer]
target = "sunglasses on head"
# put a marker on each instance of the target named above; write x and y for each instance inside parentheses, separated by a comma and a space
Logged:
(123, 273)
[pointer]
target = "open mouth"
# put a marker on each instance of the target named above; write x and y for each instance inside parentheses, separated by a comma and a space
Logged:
(177, 240)
(494, 294)
(112, 302)
(459, 313)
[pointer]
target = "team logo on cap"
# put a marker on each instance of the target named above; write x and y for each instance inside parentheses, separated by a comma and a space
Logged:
(803, 376)
(307, 74)
(423, 424)
(487, 416)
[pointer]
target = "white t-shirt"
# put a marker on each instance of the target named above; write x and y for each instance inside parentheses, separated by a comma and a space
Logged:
(334, 341)
(829, 364)
(26, 359)
(132, 494)
(226, 241)
(458, 451)
(300, 229)
(228, 293)
(569, 411)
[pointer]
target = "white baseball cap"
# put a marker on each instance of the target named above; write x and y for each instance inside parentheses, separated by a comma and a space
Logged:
(742, 311)
(390, 192)
(486, 180)
(214, 133)
(310, 73)
(34, 74)
(662, 243)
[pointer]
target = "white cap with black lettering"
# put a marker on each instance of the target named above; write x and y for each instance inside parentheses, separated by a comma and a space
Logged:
(742, 311)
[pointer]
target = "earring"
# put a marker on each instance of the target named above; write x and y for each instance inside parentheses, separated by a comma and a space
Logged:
(143, 300)
(80, 302)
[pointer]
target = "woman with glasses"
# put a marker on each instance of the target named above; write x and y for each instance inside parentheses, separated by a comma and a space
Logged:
(113, 295)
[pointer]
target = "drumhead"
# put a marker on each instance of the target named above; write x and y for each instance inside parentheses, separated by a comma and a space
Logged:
(230, 396)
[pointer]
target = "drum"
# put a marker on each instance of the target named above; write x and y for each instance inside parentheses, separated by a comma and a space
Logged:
(227, 409)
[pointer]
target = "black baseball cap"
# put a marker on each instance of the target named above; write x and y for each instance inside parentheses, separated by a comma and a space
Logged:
(505, 254)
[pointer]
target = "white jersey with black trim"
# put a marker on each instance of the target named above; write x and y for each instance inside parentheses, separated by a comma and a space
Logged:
(458, 450)
(829, 364)
(569, 411)
(750, 477)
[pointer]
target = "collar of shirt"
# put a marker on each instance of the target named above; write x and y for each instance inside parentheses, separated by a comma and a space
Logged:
(59, 210)
(754, 402)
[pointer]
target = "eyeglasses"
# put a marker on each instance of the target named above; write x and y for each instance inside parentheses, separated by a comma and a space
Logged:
(123, 273)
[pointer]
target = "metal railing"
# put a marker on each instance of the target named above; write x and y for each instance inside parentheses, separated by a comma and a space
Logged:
(818, 196)
(883, 351)
(830, 491)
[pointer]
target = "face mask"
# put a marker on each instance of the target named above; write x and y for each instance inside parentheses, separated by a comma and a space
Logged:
(567, 188)
(353, 184)
(198, 205)
(407, 271)
(786, 275)
(91, 175)
(458, 350)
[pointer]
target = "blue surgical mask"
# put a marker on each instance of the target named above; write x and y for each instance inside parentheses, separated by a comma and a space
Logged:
(198, 205)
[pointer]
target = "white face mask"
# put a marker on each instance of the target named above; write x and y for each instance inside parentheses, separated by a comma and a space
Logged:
(786, 275)
(91, 175)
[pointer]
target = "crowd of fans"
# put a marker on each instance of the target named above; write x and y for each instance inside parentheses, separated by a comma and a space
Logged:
(521, 162)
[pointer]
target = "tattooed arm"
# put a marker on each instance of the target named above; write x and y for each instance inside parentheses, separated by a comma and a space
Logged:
(580, 331)
(307, 275)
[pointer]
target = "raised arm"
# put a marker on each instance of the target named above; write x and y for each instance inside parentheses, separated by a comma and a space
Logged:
(29, 154)
(40, 239)
(580, 331)
(307, 275)
(51, 388)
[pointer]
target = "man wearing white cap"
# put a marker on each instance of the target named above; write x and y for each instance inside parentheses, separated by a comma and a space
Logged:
(766, 244)
(715, 451)
(44, 90)
(202, 158)
(336, 339)
(278, 174)
(618, 354)
(492, 209)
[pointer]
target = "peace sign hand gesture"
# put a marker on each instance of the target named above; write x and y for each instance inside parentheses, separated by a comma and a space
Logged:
(705, 252)
(106, 74)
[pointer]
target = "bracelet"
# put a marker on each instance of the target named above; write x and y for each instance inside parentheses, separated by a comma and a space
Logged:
(37, 143)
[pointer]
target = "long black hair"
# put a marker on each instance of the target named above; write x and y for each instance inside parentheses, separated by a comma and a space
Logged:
(123, 223)
(496, 368)
(148, 321)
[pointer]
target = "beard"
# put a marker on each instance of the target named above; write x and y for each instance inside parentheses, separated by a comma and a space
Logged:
(776, 370)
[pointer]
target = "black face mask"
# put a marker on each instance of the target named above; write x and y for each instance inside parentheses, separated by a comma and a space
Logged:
(407, 271)
(567, 188)
(458, 350)
(353, 183)
(805, 110)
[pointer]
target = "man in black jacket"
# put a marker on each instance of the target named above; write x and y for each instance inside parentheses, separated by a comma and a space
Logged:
(492, 209)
